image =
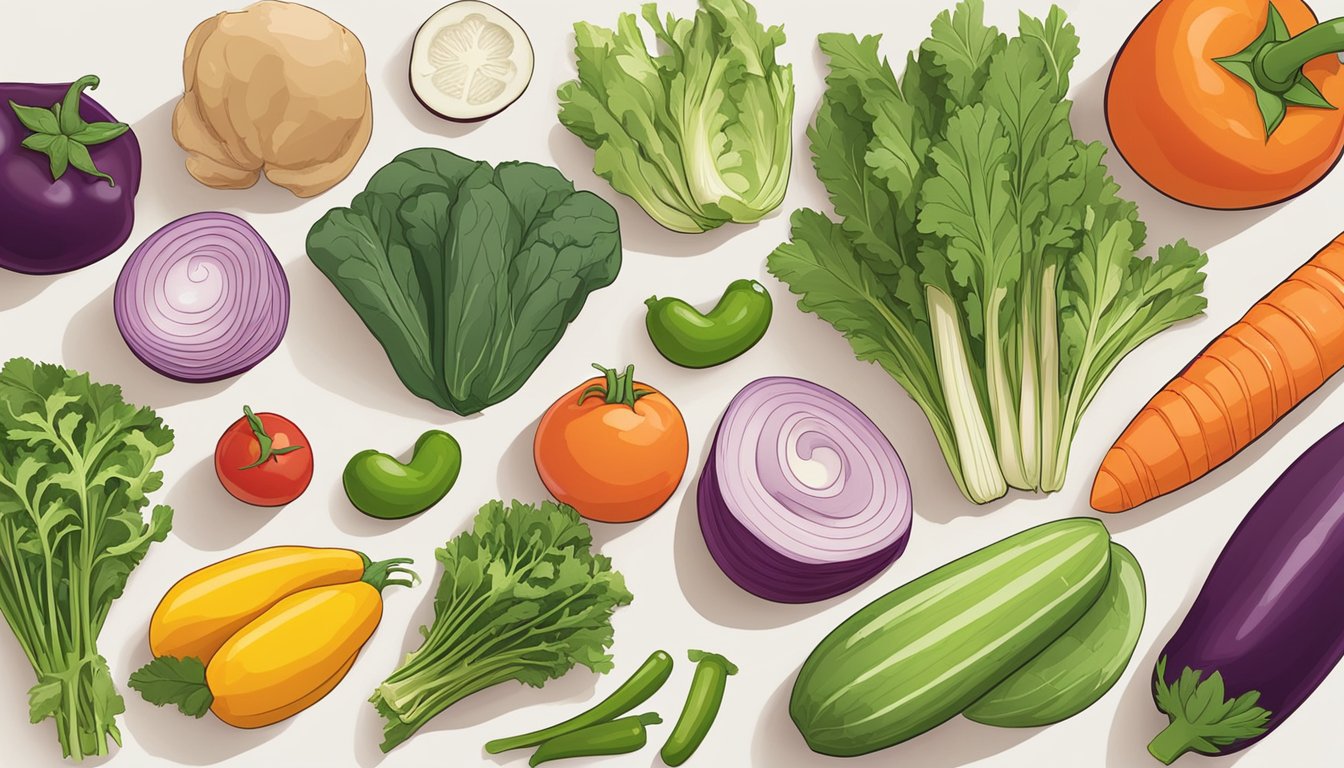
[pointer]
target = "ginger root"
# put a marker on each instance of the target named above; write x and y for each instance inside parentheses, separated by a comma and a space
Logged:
(277, 88)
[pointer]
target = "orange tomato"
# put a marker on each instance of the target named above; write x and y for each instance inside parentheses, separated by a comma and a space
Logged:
(1194, 130)
(613, 448)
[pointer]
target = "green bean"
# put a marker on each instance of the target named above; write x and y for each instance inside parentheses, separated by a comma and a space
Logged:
(617, 737)
(693, 340)
(702, 706)
(380, 486)
(642, 684)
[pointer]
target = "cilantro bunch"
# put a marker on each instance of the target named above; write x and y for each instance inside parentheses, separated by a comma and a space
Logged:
(76, 468)
(983, 256)
(522, 598)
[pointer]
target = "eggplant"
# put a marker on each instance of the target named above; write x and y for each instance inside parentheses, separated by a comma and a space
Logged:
(67, 185)
(1266, 627)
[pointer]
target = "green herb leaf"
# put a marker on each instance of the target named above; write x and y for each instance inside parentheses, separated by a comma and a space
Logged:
(99, 133)
(44, 699)
(522, 598)
(168, 680)
(37, 119)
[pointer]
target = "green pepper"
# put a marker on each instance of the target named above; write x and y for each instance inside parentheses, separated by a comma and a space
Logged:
(642, 684)
(380, 486)
(616, 737)
(702, 706)
(692, 340)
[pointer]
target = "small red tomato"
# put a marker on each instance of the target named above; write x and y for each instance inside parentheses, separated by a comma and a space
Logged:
(264, 459)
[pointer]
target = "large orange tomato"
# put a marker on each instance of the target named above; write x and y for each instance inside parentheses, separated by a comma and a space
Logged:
(1226, 103)
(613, 448)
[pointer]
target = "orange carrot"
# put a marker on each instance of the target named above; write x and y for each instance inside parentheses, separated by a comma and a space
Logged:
(1257, 371)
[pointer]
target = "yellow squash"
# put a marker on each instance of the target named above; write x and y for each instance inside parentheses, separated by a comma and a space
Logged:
(293, 654)
(206, 607)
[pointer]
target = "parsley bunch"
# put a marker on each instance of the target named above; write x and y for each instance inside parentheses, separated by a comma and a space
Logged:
(76, 468)
(522, 598)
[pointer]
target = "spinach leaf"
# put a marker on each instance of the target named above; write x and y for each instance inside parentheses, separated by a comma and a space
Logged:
(467, 274)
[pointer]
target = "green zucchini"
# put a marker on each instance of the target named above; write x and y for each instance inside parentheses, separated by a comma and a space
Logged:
(919, 655)
(1080, 666)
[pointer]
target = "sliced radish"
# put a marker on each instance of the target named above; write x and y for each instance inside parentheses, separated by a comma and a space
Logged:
(470, 61)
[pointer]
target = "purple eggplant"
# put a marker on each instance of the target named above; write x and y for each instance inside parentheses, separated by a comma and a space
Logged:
(68, 177)
(1266, 628)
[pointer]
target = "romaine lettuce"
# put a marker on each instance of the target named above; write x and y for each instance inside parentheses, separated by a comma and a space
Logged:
(467, 274)
(698, 136)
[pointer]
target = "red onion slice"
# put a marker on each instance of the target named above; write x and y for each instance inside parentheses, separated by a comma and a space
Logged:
(203, 299)
(802, 497)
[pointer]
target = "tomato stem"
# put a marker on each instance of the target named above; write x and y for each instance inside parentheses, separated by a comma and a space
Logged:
(619, 388)
(1281, 62)
(268, 450)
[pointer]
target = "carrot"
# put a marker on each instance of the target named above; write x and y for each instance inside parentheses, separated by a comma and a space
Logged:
(1257, 371)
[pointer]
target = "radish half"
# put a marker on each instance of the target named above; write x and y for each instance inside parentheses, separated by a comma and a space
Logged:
(470, 61)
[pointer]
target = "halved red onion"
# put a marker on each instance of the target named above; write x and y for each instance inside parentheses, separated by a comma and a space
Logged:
(802, 497)
(202, 299)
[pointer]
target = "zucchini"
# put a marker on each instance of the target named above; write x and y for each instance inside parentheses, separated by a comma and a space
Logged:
(919, 655)
(1081, 665)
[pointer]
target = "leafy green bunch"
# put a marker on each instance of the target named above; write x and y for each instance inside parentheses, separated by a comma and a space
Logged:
(983, 256)
(76, 469)
(522, 598)
(699, 135)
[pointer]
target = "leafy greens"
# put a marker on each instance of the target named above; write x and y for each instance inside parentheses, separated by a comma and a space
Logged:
(698, 136)
(76, 467)
(522, 598)
(467, 274)
(983, 256)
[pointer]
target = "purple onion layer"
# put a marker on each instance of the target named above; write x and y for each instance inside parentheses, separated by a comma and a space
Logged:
(203, 299)
(802, 498)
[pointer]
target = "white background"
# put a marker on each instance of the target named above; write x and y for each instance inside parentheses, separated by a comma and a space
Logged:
(332, 378)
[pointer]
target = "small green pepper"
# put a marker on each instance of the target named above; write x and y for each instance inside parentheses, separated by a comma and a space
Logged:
(380, 486)
(642, 684)
(616, 737)
(702, 706)
(693, 340)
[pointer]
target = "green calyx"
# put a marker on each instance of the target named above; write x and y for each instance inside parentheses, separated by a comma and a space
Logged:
(1272, 66)
(63, 136)
(1202, 719)
(619, 388)
(268, 450)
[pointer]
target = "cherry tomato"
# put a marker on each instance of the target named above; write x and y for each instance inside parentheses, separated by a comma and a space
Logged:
(264, 459)
(613, 448)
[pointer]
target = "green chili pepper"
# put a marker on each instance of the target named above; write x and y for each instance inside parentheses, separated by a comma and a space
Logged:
(702, 706)
(642, 684)
(380, 486)
(692, 340)
(617, 737)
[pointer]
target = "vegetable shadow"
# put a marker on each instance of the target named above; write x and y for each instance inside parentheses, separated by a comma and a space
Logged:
(517, 472)
(168, 192)
(1245, 458)
(206, 516)
(956, 742)
(1137, 719)
(92, 344)
(397, 82)
(639, 232)
(708, 590)
(17, 289)
(340, 355)
(500, 700)
(1168, 220)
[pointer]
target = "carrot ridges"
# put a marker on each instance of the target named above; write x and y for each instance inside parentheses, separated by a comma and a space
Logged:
(1253, 374)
